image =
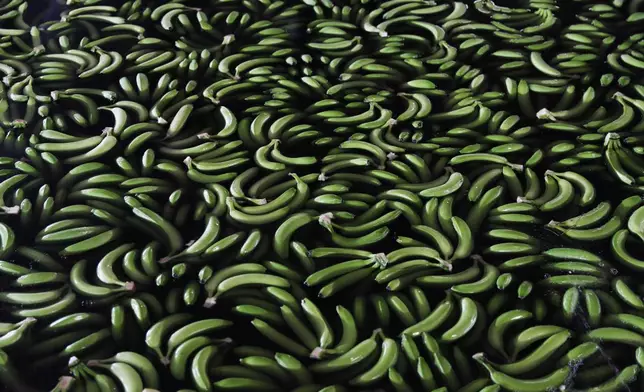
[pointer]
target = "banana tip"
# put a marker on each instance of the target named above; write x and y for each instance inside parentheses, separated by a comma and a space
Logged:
(10, 210)
(316, 353)
(73, 361)
(65, 382)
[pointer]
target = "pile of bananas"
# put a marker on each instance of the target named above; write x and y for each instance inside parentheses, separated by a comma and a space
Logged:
(322, 196)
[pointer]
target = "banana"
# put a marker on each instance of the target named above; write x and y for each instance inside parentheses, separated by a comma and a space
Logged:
(81, 285)
(466, 321)
(555, 379)
(139, 362)
(485, 283)
(614, 334)
(280, 339)
(129, 379)
(247, 279)
(592, 217)
(360, 352)
(199, 370)
(434, 320)
(287, 229)
(157, 332)
(319, 323)
(179, 360)
(453, 184)
(193, 329)
(635, 225)
(500, 324)
(388, 357)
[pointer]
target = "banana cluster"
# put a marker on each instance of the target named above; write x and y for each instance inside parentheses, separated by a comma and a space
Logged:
(321, 195)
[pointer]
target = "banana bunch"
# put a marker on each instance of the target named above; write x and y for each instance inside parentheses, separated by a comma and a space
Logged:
(130, 318)
(34, 293)
(621, 238)
(68, 241)
(578, 60)
(125, 370)
(182, 294)
(582, 155)
(15, 141)
(515, 28)
(369, 69)
(243, 66)
(395, 359)
(15, 334)
(26, 260)
(417, 107)
(175, 338)
(385, 20)
(449, 234)
(598, 223)
(559, 191)
(14, 46)
(622, 163)
(488, 176)
(18, 178)
(558, 378)
(466, 280)
(370, 362)
(407, 307)
(182, 20)
(620, 119)
(358, 266)
(595, 370)
(240, 277)
(485, 101)
(83, 181)
(77, 150)
(626, 59)
(570, 111)
(65, 67)
(145, 90)
(22, 103)
(573, 279)
(581, 269)
(210, 168)
(587, 35)
(154, 56)
(299, 327)
(83, 285)
(459, 318)
(604, 14)
(210, 162)
(398, 141)
(84, 334)
(99, 23)
(262, 369)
